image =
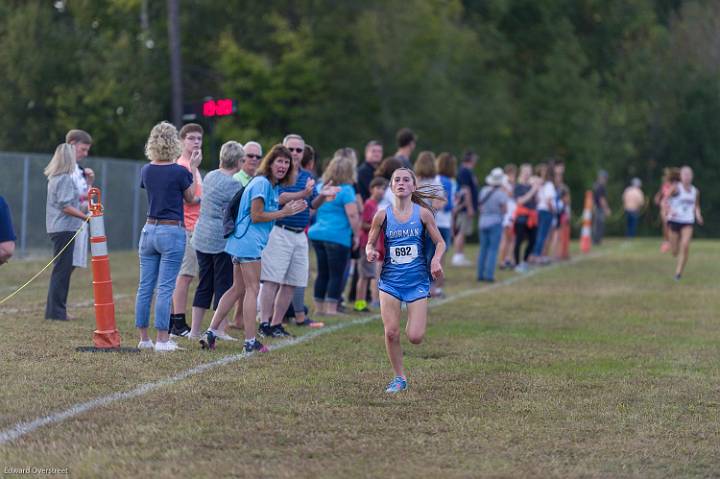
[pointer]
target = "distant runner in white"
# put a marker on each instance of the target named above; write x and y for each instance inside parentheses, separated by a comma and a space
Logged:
(683, 213)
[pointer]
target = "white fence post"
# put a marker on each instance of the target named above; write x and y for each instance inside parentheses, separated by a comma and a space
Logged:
(24, 211)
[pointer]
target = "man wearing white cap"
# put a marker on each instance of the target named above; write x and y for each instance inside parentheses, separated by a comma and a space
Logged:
(492, 204)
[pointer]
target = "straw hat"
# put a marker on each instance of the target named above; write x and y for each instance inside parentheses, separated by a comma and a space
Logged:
(496, 177)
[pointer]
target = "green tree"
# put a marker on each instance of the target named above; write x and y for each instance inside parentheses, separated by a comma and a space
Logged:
(81, 67)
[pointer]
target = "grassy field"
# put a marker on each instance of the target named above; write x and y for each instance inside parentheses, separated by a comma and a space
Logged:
(604, 367)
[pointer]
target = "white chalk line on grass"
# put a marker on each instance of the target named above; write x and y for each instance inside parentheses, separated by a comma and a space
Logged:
(22, 428)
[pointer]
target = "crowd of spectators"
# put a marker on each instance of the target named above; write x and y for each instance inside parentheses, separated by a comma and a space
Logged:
(262, 270)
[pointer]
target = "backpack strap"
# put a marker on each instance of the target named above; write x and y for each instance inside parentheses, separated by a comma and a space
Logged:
(487, 196)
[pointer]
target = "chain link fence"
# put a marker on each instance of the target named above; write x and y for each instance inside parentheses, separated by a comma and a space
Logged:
(24, 187)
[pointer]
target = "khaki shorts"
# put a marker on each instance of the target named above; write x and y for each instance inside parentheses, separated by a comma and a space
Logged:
(464, 223)
(285, 259)
(189, 265)
(366, 269)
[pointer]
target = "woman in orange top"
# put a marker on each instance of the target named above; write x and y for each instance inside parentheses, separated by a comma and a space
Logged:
(526, 216)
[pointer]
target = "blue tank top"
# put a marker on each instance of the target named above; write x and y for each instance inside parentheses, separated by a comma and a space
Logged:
(405, 262)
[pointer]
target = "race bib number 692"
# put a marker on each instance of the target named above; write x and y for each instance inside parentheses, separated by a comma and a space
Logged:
(403, 254)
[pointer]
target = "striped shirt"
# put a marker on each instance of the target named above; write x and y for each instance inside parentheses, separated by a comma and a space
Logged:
(302, 219)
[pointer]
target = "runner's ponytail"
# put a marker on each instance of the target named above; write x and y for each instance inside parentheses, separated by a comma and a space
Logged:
(424, 195)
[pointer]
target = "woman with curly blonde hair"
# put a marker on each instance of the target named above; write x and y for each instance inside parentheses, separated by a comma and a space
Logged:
(162, 241)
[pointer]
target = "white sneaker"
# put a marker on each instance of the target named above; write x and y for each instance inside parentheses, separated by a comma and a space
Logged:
(455, 259)
(225, 336)
(167, 346)
(146, 344)
(460, 260)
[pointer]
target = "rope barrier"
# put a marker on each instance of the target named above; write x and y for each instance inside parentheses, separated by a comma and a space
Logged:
(9, 297)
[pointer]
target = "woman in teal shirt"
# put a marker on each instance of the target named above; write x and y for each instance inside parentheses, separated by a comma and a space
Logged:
(337, 225)
(256, 215)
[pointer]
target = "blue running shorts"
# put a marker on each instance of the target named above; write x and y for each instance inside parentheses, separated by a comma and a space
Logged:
(406, 293)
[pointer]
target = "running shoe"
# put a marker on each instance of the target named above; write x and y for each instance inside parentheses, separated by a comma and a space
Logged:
(180, 330)
(265, 330)
(309, 323)
(279, 331)
(398, 384)
(665, 247)
(460, 260)
(255, 346)
(167, 346)
(146, 344)
(361, 306)
(207, 340)
(506, 265)
(678, 277)
(521, 268)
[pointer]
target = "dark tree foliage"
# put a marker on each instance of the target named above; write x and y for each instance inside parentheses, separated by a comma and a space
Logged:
(631, 87)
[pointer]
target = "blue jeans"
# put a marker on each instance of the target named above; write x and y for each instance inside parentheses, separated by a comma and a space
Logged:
(633, 218)
(489, 245)
(332, 259)
(161, 251)
(545, 219)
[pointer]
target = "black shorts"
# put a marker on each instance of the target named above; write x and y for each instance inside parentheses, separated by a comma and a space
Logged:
(678, 227)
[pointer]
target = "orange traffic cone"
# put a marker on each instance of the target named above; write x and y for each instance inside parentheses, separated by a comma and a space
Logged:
(106, 336)
(585, 239)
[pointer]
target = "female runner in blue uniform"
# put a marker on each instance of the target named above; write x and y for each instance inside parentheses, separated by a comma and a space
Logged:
(404, 276)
